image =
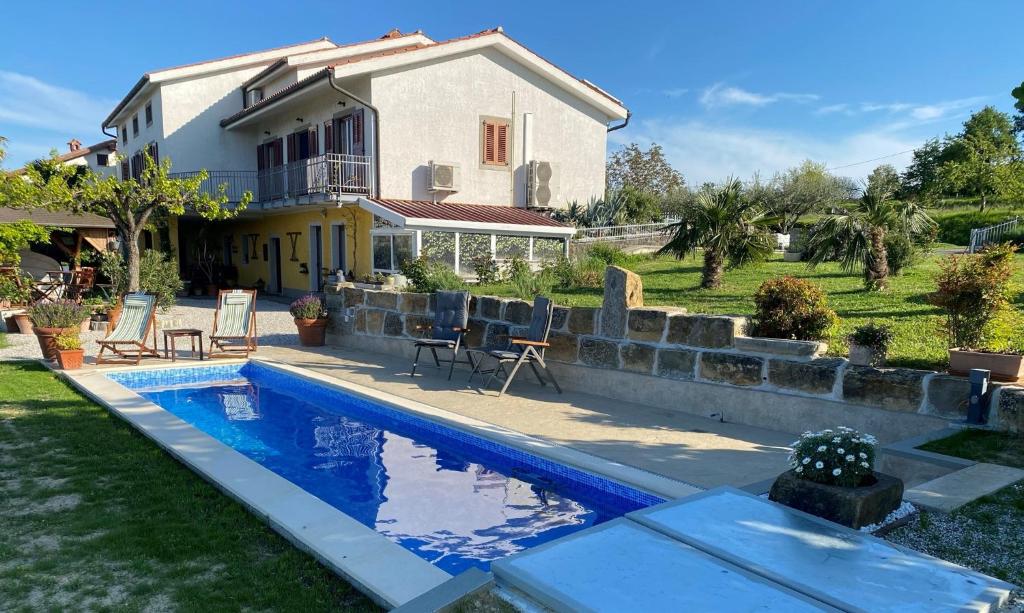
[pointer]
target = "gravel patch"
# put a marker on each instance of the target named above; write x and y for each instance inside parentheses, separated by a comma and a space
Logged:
(274, 327)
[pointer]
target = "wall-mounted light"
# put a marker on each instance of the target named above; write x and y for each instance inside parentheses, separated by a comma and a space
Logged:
(341, 103)
(298, 119)
(303, 269)
(267, 132)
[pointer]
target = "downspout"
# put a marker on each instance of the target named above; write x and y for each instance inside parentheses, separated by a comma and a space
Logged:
(376, 128)
(103, 129)
(623, 124)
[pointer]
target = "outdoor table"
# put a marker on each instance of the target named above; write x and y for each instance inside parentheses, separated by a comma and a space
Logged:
(192, 333)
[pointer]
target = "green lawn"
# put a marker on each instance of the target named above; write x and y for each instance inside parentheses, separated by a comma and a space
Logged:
(3, 339)
(95, 517)
(919, 342)
(988, 534)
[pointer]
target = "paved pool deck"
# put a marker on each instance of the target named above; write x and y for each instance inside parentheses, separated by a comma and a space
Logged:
(688, 448)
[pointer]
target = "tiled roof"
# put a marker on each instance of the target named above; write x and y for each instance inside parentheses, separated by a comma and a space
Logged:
(107, 145)
(294, 87)
(477, 213)
(55, 218)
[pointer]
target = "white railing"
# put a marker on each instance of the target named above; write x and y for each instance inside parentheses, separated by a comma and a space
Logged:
(983, 236)
(623, 233)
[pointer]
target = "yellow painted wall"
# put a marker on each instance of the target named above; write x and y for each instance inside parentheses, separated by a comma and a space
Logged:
(357, 227)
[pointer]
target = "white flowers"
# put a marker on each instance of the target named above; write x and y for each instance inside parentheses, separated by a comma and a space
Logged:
(863, 455)
(865, 465)
(837, 440)
(822, 448)
(840, 451)
(850, 458)
(806, 461)
(837, 472)
(837, 457)
(819, 465)
(799, 469)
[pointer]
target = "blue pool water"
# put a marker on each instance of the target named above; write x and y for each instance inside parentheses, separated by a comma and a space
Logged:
(452, 498)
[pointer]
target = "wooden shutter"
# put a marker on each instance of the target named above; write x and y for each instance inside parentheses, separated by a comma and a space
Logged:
(278, 152)
(154, 152)
(261, 157)
(126, 170)
(292, 148)
(501, 144)
(488, 142)
(358, 134)
(494, 135)
(314, 141)
(329, 136)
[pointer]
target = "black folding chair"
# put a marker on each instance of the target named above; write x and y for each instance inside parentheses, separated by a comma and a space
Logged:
(450, 326)
(521, 350)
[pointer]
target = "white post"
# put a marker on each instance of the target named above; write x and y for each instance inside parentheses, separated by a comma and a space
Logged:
(494, 246)
(456, 253)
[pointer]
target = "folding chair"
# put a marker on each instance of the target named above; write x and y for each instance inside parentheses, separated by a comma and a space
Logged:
(447, 332)
(234, 324)
(528, 350)
(128, 338)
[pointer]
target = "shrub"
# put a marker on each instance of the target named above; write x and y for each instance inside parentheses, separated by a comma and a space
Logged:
(878, 337)
(842, 457)
(1015, 237)
(972, 291)
(68, 341)
(956, 228)
(486, 269)
(57, 314)
(611, 255)
(514, 266)
(308, 307)
(577, 273)
(428, 276)
(900, 252)
(16, 290)
(791, 308)
(526, 284)
(158, 274)
(113, 267)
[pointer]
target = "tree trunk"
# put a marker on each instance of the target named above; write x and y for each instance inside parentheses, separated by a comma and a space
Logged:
(711, 276)
(984, 202)
(130, 248)
(876, 274)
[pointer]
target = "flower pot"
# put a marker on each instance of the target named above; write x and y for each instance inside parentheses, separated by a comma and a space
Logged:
(211, 289)
(24, 323)
(863, 355)
(792, 256)
(851, 506)
(47, 338)
(1004, 366)
(113, 313)
(312, 332)
(70, 359)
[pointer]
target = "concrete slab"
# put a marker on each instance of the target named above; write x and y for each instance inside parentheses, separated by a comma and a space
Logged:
(847, 569)
(952, 491)
(622, 566)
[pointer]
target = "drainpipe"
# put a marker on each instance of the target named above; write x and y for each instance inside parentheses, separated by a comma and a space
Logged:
(104, 130)
(376, 128)
(623, 124)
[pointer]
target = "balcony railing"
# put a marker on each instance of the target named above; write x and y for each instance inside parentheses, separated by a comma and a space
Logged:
(331, 174)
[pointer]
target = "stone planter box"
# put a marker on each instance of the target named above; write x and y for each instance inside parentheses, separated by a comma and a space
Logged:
(863, 355)
(780, 346)
(1004, 367)
(792, 256)
(854, 507)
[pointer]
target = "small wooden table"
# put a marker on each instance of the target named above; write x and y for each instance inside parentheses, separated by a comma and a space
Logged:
(191, 333)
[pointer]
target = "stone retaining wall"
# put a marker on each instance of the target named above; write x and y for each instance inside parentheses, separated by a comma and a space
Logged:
(673, 345)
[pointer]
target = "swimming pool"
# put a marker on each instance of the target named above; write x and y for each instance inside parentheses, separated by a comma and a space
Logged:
(453, 498)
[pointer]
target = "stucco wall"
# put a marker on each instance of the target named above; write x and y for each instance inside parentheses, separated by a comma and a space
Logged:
(432, 112)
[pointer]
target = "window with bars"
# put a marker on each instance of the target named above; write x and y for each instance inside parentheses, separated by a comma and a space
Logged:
(494, 141)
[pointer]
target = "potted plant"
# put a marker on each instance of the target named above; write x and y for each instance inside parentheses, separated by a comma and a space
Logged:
(832, 476)
(973, 291)
(310, 319)
(869, 344)
(70, 354)
(50, 319)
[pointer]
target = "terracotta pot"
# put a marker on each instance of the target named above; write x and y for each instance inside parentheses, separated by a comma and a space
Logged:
(24, 323)
(863, 355)
(851, 506)
(211, 289)
(113, 313)
(312, 332)
(70, 359)
(47, 338)
(1004, 367)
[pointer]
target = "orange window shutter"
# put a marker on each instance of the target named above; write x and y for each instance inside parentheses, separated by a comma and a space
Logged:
(501, 149)
(489, 144)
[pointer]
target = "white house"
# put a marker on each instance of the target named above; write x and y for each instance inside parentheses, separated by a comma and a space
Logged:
(362, 155)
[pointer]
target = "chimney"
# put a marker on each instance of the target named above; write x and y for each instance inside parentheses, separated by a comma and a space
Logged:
(74, 145)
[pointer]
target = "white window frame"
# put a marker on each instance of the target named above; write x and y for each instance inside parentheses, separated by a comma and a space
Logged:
(391, 233)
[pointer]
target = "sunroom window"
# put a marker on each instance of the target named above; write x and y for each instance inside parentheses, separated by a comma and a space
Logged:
(390, 250)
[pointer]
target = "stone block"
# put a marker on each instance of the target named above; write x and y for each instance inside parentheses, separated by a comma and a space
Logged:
(623, 290)
(1011, 409)
(948, 396)
(360, 321)
(334, 301)
(676, 363)
(353, 296)
(564, 347)
(583, 320)
(417, 304)
(418, 326)
(646, 324)
(489, 307)
(712, 331)
(518, 312)
(381, 300)
(895, 389)
(599, 352)
(496, 335)
(393, 324)
(780, 346)
(637, 358)
(731, 368)
(849, 506)
(559, 317)
(477, 330)
(374, 321)
(814, 377)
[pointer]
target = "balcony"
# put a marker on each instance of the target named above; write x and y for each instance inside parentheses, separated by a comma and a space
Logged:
(324, 176)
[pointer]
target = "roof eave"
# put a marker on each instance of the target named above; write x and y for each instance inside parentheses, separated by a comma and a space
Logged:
(109, 121)
(245, 115)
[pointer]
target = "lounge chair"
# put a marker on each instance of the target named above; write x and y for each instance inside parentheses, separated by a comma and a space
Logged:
(130, 334)
(234, 324)
(450, 326)
(520, 350)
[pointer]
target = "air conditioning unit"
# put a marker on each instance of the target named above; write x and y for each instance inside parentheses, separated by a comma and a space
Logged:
(541, 184)
(444, 177)
(253, 96)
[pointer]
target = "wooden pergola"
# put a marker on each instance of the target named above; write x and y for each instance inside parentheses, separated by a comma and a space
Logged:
(69, 231)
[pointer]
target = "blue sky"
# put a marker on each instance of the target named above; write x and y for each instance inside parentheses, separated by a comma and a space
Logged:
(728, 88)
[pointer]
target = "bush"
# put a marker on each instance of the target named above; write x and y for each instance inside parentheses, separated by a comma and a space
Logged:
(1015, 237)
(611, 255)
(872, 335)
(68, 341)
(527, 284)
(16, 289)
(308, 307)
(842, 457)
(486, 270)
(577, 273)
(972, 291)
(900, 252)
(57, 314)
(158, 274)
(428, 276)
(791, 308)
(956, 227)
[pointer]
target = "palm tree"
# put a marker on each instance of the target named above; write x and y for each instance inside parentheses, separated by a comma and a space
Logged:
(856, 238)
(730, 227)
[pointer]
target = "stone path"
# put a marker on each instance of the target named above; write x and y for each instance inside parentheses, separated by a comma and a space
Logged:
(950, 492)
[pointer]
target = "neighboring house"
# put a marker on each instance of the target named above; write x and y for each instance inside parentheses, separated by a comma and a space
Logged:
(360, 156)
(100, 158)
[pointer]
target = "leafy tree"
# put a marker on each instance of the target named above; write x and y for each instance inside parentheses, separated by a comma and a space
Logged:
(857, 237)
(3, 149)
(983, 160)
(1018, 120)
(131, 204)
(647, 171)
(884, 179)
(921, 177)
(799, 191)
(16, 237)
(728, 225)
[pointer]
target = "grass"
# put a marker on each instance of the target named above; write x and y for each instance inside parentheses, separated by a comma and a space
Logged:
(988, 534)
(3, 340)
(919, 342)
(95, 516)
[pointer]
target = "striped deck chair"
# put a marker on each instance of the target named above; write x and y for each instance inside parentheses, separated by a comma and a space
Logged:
(234, 324)
(127, 341)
